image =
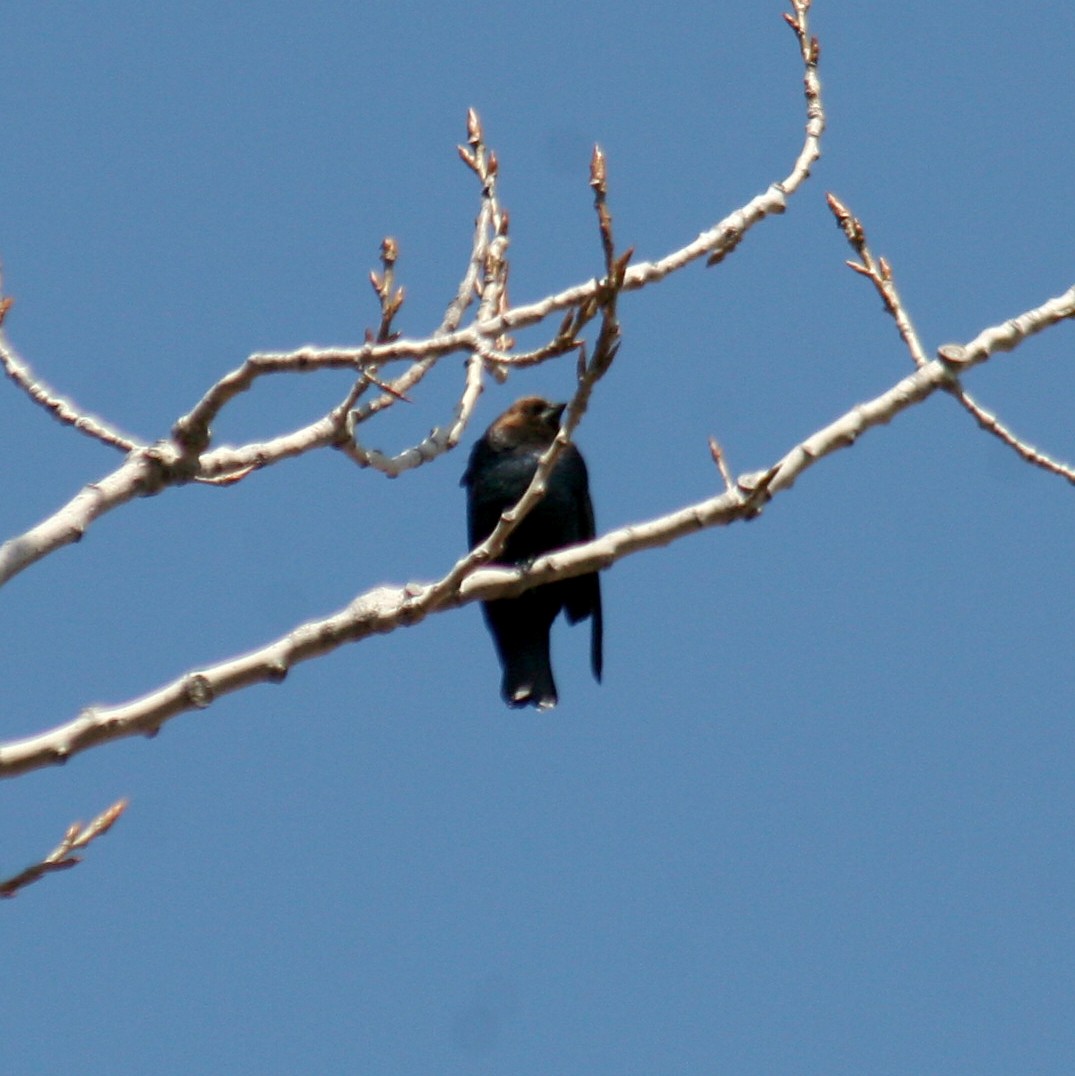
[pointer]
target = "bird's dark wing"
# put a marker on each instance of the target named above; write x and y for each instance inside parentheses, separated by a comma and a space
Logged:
(494, 481)
(583, 594)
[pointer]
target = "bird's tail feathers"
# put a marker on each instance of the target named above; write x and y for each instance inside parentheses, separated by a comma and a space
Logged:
(528, 679)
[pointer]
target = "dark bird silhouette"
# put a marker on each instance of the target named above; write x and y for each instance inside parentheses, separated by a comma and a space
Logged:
(502, 464)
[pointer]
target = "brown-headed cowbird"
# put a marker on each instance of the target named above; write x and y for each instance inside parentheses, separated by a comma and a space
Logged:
(502, 464)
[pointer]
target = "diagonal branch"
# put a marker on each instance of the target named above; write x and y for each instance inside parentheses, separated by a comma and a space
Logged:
(1004, 338)
(385, 609)
(879, 273)
(19, 371)
(145, 471)
(62, 857)
(991, 424)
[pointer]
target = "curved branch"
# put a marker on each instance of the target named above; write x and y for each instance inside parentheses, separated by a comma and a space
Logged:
(19, 371)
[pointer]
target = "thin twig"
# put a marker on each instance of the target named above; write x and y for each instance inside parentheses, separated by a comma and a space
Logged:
(475, 159)
(389, 296)
(879, 272)
(486, 275)
(62, 856)
(722, 464)
(61, 409)
(993, 425)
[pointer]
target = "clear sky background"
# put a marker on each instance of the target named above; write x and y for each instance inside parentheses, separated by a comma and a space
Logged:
(819, 817)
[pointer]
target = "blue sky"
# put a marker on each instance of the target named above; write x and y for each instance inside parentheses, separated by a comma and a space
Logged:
(818, 817)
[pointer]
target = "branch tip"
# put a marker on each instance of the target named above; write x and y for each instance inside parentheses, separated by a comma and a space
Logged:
(474, 128)
(718, 458)
(61, 857)
(468, 158)
(598, 171)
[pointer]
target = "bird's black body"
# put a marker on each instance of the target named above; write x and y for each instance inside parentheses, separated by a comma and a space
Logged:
(502, 464)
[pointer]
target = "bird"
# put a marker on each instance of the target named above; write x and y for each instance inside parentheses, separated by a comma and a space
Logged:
(501, 466)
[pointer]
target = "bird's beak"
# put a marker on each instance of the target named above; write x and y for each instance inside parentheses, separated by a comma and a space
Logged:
(553, 413)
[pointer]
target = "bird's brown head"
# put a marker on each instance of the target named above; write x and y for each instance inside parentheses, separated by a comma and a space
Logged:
(530, 421)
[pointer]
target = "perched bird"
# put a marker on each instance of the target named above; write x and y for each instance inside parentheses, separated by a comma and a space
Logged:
(502, 464)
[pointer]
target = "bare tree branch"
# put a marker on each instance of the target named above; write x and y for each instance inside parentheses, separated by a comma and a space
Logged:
(145, 471)
(386, 609)
(991, 424)
(189, 455)
(62, 857)
(879, 272)
(19, 371)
